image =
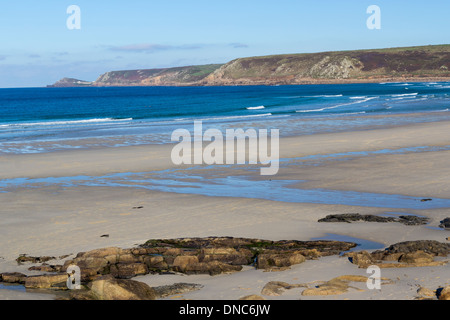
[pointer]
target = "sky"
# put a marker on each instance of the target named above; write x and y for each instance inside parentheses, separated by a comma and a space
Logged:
(38, 47)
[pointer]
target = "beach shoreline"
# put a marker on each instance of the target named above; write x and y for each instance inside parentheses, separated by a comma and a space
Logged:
(45, 217)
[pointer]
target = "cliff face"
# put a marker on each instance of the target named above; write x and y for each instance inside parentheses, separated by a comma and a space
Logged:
(337, 67)
(71, 82)
(395, 64)
(157, 77)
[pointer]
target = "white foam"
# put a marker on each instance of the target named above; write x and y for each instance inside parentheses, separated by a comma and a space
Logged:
(315, 96)
(312, 110)
(326, 96)
(54, 123)
(405, 94)
(255, 108)
(227, 117)
(362, 97)
(356, 112)
(337, 106)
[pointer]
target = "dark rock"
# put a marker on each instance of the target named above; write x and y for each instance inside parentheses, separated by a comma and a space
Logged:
(156, 263)
(413, 220)
(128, 258)
(212, 268)
(233, 248)
(445, 223)
(314, 247)
(433, 247)
(181, 263)
(13, 277)
(128, 270)
(226, 255)
(418, 253)
(177, 288)
(45, 268)
(109, 288)
(90, 267)
(208, 242)
(353, 217)
(211, 255)
(416, 257)
(279, 260)
(23, 258)
(363, 258)
(389, 256)
(47, 281)
(82, 294)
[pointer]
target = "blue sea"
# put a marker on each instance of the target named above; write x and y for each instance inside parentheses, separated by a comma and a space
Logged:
(35, 120)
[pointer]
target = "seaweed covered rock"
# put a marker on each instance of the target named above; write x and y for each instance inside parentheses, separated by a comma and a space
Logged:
(433, 247)
(410, 220)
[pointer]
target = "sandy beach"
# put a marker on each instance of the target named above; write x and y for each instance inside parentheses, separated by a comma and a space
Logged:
(47, 212)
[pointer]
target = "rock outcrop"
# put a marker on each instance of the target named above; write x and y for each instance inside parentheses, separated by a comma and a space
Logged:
(444, 293)
(109, 288)
(445, 224)
(47, 281)
(354, 217)
(13, 277)
(176, 288)
(420, 253)
(106, 273)
(211, 255)
(335, 286)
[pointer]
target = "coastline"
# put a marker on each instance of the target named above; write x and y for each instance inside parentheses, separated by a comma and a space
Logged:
(262, 82)
(56, 219)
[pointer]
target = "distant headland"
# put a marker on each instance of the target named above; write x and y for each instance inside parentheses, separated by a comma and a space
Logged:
(420, 63)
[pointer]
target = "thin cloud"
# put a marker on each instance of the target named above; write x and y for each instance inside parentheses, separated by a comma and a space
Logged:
(151, 47)
(238, 45)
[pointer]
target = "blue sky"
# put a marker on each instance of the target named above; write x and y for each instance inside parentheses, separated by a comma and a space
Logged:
(38, 49)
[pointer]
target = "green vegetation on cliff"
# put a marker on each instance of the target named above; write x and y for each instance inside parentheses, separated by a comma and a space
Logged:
(165, 76)
(339, 66)
(393, 64)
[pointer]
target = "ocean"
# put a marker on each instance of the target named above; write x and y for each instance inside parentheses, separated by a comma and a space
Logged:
(36, 120)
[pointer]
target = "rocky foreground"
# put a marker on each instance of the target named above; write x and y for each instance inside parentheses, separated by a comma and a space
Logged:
(105, 274)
